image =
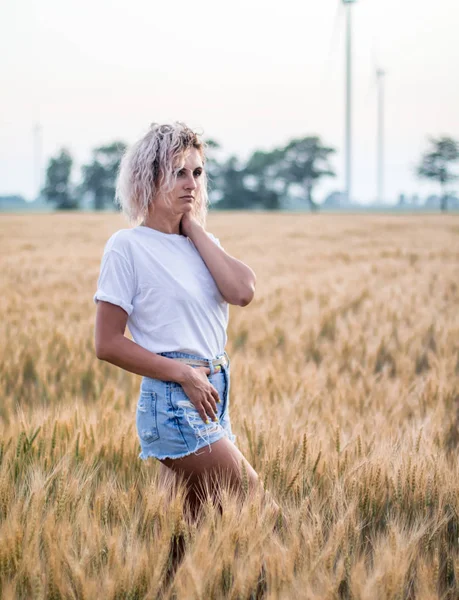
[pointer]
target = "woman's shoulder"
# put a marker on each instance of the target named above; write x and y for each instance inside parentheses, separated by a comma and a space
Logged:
(120, 241)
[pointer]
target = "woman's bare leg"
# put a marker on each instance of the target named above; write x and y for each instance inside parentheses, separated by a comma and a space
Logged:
(224, 460)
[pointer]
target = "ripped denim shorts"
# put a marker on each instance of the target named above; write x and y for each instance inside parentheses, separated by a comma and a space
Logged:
(168, 424)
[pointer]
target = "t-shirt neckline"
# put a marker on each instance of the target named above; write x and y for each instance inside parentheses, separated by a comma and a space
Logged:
(161, 233)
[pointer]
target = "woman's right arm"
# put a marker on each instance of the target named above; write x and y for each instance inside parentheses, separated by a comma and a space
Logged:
(112, 346)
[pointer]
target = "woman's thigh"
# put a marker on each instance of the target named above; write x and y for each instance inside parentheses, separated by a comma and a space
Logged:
(221, 459)
(205, 472)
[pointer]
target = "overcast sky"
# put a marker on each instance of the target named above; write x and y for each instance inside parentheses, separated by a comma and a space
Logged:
(249, 73)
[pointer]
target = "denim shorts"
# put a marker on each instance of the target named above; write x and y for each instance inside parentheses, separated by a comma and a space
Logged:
(169, 425)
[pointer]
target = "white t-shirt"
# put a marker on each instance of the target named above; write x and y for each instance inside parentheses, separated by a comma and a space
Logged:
(165, 287)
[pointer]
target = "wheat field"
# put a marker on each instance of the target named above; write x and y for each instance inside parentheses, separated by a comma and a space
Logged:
(344, 399)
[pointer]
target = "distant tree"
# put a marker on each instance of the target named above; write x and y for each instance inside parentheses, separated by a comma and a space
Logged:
(234, 192)
(303, 162)
(57, 186)
(214, 170)
(262, 173)
(436, 164)
(335, 200)
(13, 199)
(267, 176)
(432, 201)
(99, 177)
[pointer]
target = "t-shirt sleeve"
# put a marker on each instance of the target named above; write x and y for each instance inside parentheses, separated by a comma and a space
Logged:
(116, 283)
(215, 239)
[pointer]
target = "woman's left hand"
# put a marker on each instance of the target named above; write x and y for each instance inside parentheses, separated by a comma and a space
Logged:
(188, 224)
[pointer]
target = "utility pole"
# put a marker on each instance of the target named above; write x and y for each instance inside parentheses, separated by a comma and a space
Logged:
(348, 144)
(380, 150)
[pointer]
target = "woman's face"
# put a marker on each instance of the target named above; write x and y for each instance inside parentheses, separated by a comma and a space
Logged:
(188, 183)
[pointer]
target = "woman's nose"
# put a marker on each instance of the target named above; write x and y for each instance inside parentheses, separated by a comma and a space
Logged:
(191, 183)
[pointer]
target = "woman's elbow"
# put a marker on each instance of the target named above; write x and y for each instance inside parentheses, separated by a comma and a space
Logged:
(103, 349)
(246, 295)
(245, 301)
(101, 352)
(242, 291)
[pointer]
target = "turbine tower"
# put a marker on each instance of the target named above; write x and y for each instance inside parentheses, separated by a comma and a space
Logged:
(348, 145)
(38, 159)
(380, 73)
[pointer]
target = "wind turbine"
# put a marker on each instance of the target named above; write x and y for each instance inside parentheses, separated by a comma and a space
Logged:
(380, 73)
(348, 145)
(38, 159)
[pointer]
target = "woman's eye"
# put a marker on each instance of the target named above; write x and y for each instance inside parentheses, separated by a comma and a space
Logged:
(197, 173)
(181, 173)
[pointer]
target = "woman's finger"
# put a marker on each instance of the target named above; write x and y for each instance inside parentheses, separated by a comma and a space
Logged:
(202, 412)
(213, 403)
(215, 395)
(206, 370)
(211, 411)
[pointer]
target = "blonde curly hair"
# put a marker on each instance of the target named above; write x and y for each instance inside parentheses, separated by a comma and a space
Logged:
(150, 166)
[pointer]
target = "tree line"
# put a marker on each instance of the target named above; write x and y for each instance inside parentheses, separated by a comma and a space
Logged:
(263, 181)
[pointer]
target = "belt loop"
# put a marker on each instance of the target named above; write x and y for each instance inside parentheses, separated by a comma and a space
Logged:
(211, 367)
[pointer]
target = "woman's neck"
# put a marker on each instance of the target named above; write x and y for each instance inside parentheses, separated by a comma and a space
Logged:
(163, 225)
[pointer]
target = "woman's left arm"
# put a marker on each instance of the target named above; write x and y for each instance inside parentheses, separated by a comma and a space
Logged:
(235, 280)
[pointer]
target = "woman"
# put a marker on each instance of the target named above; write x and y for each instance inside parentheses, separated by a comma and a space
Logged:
(171, 282)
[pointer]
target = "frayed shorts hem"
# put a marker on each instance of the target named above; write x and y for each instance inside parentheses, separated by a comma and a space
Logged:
(144, 455)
